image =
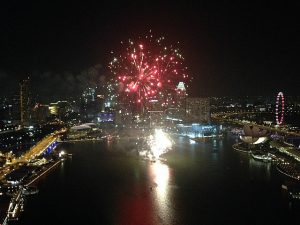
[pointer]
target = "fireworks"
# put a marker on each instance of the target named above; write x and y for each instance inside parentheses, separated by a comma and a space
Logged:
(159, 143)
(147, 69)
(156, 145)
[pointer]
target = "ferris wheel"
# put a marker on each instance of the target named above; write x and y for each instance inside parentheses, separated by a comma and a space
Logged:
(279, 108)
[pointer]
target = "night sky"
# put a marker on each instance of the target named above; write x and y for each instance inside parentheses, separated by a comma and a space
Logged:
(230, 48)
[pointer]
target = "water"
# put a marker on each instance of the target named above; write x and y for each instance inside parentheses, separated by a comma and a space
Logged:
(202, 183)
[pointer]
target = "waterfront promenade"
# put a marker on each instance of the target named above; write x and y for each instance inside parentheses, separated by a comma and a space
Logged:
(227, 117)
(33, 152)
(15, 206)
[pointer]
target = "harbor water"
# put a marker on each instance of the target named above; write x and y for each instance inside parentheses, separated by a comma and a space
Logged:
(199, 183)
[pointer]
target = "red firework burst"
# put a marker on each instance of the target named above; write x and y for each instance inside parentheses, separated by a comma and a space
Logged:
(147, 68)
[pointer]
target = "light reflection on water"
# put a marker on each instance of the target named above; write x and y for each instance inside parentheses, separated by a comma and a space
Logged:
(256, 168)
(160, 174)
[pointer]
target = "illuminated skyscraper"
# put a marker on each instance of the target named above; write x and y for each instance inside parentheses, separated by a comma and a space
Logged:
(24, 101)
(181, 95)
(89, 95)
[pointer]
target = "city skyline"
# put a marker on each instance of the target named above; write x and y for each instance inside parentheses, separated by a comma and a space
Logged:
(123, 112)
(230, 49)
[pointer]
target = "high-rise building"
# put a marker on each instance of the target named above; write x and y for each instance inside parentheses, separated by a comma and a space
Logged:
(89, 95)
(92, 103)
(40, 113)
(198, 110)
(24, 102)
(180, 95)
(59, 109)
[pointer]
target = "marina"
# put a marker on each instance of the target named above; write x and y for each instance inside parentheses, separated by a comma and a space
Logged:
(163, 186)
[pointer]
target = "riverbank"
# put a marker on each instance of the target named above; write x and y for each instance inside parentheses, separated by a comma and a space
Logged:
(14, 204)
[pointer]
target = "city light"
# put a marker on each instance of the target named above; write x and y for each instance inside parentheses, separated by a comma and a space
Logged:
(279, 118)
(62, 153)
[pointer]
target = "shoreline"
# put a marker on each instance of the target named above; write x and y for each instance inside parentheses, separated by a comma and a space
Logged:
(43, 172)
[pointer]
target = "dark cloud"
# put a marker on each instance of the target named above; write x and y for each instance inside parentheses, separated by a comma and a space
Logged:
(52, 86)
(8, 84)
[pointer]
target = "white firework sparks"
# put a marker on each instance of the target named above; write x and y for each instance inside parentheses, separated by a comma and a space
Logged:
(159, 143)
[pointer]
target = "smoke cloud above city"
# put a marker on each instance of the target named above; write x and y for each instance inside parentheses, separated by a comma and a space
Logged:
(49, 86)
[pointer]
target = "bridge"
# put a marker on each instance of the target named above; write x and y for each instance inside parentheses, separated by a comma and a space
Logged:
(33, 152)
(16, 203)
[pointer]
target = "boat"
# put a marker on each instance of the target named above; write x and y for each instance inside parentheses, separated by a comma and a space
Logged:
(261, 156)
(30, 190)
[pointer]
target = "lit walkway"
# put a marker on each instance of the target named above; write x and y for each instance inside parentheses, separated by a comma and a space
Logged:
(34, 151)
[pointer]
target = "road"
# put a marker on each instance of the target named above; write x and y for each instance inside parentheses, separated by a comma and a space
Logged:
(34, 151)
(38, 149)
